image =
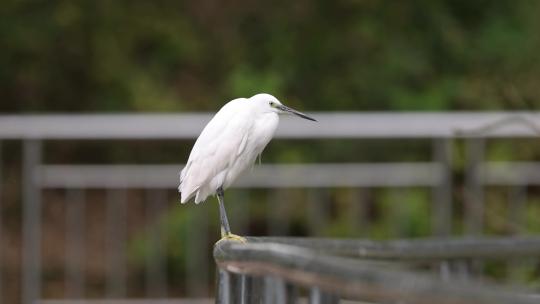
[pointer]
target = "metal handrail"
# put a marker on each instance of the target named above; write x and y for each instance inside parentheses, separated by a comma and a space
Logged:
(426, 249)
(330, 125)
(304, 262)
(263, 176)
(397, 174)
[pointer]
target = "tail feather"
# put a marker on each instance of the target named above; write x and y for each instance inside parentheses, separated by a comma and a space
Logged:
(187, 192)
(183, 198)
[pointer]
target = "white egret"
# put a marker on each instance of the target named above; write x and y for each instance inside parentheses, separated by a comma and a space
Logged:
(227, 146)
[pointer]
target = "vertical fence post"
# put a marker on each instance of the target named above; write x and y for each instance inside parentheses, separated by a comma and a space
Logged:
(274, 290)
(195, 248)
(398, 211)
(243, 289)
(240, 211)
(75, 244)
(291, 292)
(317, 296)
(116, 238)
(474, 200)
(441, 214)
(277, 206)
(517, 206)
(318, 210)
(237, 288)
(357, 215)
(444, 270)
(31, 194)
(253, 290)
(156, 277)
(442, 193)
(517, 210)
(232, 288)
(223, 295)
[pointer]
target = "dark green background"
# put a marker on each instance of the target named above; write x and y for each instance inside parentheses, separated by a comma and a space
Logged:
(94, 56)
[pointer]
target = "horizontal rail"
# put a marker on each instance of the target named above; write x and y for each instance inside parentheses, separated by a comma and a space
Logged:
(265, 176)
(510, 173)
(417, 249)
(352, 278)
(329, 125)
(285, 176)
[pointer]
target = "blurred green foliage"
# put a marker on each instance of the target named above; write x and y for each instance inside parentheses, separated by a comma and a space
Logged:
(95, 56)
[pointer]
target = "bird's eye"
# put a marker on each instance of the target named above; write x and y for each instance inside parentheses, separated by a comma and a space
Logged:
(272, 104)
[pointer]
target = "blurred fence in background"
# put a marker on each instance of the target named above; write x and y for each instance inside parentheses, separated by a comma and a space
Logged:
(442, 129)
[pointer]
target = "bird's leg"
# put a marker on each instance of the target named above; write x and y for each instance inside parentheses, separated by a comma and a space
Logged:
(225, 229)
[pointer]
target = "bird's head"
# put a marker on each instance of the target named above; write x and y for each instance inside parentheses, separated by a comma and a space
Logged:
(269, 103)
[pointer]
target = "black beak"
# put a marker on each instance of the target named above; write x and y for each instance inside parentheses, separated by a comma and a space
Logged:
(293, 111)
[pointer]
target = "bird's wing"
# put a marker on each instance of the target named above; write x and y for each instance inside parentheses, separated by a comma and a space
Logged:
(210, 132)
(217, 147)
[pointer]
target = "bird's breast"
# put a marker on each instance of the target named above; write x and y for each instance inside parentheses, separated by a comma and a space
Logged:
(264, 129)
(260, 134)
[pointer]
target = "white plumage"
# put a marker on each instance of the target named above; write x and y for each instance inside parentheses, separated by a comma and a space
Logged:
(229, 144)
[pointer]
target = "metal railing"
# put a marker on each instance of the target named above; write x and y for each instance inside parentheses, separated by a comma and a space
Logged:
(281, 270)
(440, 128)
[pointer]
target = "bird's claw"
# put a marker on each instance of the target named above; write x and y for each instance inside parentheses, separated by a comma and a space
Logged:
(233, 237)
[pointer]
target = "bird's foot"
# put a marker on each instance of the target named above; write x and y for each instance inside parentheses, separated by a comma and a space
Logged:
(233, 237)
